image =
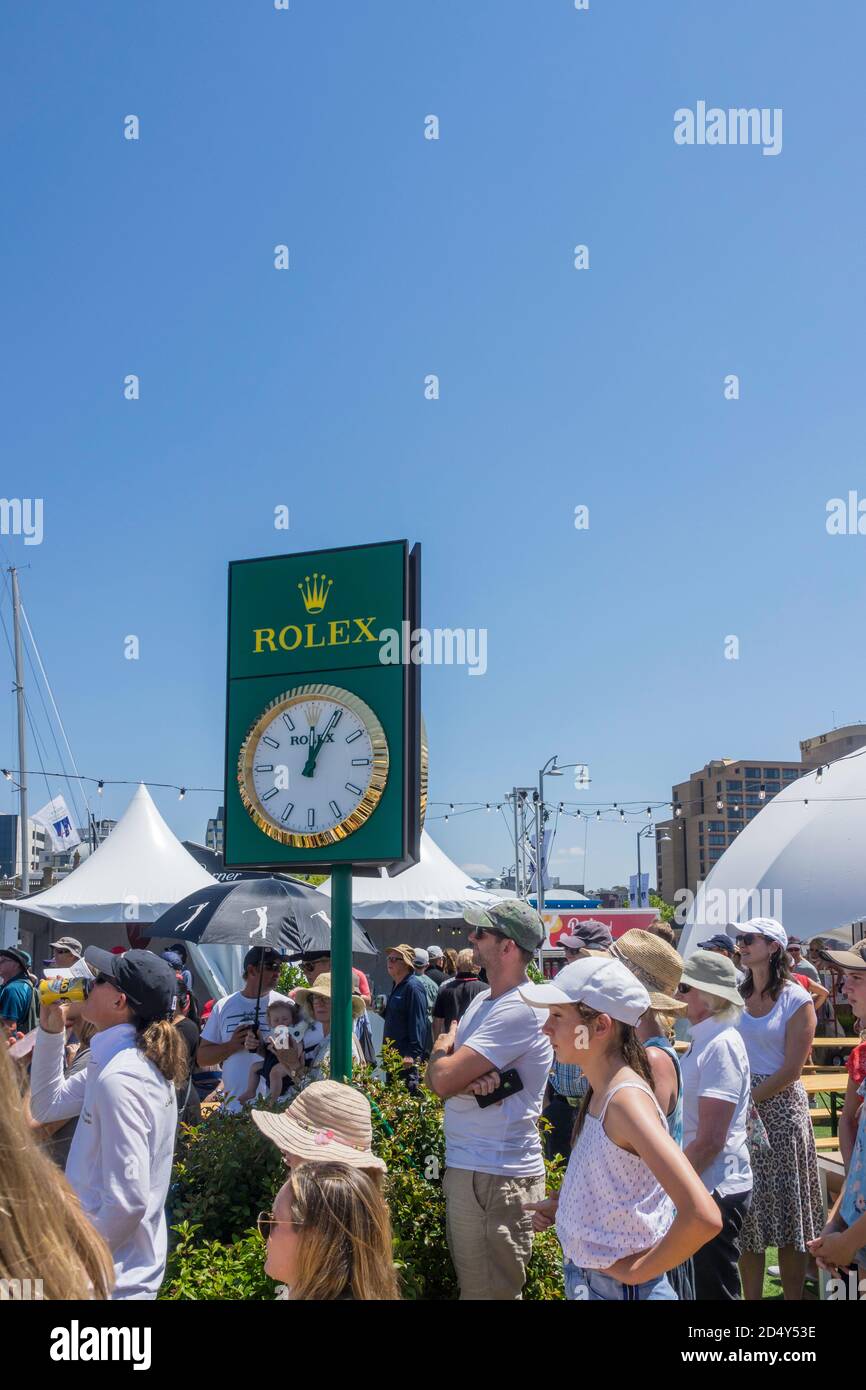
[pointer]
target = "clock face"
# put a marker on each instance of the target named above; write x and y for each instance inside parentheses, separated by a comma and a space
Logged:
(313, 766)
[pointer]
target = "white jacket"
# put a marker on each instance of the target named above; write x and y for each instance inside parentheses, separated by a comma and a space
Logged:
(121, 1154)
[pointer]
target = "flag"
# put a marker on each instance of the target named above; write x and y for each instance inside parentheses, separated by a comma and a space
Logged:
(638, 896)
(54, 817)
(545, 851)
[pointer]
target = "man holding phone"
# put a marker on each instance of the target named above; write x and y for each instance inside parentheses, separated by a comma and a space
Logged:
(494, 1162)
(234, 1028)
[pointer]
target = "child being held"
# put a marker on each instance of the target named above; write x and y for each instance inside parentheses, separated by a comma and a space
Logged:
(268, 1076)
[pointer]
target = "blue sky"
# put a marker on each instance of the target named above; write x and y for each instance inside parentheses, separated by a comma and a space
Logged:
(558, 387)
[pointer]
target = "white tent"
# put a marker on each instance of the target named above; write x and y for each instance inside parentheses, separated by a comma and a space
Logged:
(421, 906)
(136, 874)
(801, 860)
(433, 888)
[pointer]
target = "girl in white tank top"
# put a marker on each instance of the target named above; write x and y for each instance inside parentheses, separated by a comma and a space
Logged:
(631, 1206)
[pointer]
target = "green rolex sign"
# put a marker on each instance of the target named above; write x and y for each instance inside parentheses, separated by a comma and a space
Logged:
(322, 737)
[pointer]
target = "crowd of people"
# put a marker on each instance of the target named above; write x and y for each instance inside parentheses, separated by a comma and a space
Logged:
(680, 1167)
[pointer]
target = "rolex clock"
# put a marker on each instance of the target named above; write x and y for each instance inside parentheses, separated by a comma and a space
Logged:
(313, 766)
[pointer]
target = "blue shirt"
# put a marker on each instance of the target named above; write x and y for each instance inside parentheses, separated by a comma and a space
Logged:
(567, 1079)
(406, 1017)
(15, 1001)
(675, 1118)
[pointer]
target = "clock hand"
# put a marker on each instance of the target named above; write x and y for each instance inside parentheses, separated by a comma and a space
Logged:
(316, 746)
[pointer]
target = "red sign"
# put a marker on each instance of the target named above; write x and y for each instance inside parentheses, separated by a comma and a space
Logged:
(618, 919)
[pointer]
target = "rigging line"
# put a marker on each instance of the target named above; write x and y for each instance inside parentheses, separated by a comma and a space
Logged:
(53, 701)
(72, 794)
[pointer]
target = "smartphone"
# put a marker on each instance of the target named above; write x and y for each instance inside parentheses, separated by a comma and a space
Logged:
(509, 1084)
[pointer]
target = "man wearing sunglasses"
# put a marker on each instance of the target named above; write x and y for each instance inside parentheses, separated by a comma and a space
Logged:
(239, 1023)
(314, 966)
(493, 1156)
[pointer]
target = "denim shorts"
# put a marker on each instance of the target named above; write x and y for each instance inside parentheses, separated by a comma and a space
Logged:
(591, 1285)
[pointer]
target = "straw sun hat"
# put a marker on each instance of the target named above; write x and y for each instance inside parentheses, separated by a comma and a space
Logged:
(322, 987)
(656, 964)
(327, 1123)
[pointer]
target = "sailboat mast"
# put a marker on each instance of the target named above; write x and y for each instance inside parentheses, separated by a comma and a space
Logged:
(22, 763)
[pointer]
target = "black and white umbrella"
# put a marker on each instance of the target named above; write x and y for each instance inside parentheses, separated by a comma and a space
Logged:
(290, 916)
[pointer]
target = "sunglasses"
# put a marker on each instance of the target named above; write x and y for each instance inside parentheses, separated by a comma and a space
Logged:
(748, 939)
(393, 960)
(480, 932)
(102, 979)
(266, 1221)
(684, 989)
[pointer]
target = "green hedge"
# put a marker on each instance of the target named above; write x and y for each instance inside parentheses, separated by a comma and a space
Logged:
(226, 1172)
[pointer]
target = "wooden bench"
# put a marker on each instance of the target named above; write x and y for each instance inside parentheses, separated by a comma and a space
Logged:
(819, 1114)
(827, 1143)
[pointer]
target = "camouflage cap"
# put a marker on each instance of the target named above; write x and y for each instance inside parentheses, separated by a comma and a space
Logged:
(512, 917)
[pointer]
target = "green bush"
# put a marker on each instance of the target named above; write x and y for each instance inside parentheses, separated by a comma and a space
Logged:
(226, 1172)
(210, 1269)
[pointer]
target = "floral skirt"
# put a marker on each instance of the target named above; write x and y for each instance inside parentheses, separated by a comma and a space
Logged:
(786, 1206)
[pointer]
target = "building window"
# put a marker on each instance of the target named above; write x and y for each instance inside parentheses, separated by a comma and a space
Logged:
(789, 773)
(717, 825)
(752, 799)
(771, 772)
(753, 772)
(734, 785)
(717, 840)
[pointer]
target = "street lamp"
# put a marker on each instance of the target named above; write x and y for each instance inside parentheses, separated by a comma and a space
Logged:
(647, 830)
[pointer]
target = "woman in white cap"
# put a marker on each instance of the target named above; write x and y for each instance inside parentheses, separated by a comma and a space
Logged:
(631, 1207)
(717, 1101)
(777, 1026)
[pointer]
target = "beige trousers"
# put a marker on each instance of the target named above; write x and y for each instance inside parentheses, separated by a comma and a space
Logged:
(489, 1233)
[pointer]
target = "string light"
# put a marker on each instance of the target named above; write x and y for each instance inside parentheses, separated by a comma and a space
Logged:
(181, 794)
(100, 787)
(678, 810)
(819, 775)
(6, 774)
(719, 804)
(762, 793)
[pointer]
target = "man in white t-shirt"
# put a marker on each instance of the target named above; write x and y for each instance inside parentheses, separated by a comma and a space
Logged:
(493, 1155)
(229, 1037)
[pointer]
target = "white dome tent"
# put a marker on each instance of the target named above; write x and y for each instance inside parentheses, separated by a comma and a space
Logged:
(801, 860)
(420, 906)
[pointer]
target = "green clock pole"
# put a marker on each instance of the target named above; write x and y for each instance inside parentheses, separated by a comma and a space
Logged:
(341, 972)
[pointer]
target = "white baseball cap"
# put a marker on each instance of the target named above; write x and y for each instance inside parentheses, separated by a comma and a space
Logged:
(600, 982)
(421, 956)
(764, 926)
(434, 952)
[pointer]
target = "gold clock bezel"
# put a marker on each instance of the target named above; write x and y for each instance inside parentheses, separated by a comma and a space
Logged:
(378, 777)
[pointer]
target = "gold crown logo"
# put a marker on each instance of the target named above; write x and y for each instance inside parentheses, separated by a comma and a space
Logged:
(312, 715)
(315, 592)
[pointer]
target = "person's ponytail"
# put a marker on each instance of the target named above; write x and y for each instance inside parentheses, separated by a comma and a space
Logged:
(161, 1043)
